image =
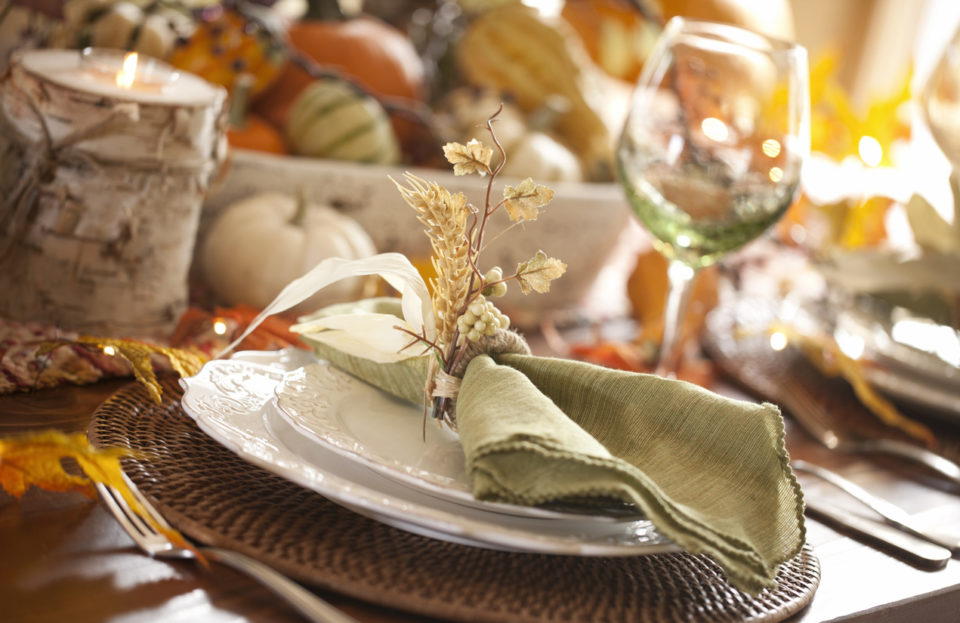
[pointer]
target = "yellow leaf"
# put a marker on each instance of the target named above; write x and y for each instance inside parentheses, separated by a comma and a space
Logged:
(524, 200)
(470, 158)
(825, 354)
(36, 460)
(537, 272)
(139, 355)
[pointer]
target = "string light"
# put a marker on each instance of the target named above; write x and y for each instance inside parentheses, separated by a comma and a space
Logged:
(778, 340)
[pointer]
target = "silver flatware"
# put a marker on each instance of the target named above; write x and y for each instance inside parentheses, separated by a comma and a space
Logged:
(891, 513)
(901, 544)
(811, 416)
(158, 545)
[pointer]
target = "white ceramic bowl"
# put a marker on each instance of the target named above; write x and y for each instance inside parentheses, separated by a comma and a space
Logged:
(581, 226)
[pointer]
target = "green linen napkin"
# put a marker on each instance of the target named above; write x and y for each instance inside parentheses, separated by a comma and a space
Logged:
(710, 472)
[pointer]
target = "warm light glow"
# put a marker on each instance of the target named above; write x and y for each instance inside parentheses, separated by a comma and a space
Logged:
(771, 148)
(546, 8)
(778, 340)
(128, 73)
(926, 335)
(850, 344)
(109, 350)
(775, 174)
(219, 327)
(683, 241)
(714, 129)
(870, 151)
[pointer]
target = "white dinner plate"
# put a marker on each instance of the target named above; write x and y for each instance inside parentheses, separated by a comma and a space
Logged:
(232, 401)
(339, 413)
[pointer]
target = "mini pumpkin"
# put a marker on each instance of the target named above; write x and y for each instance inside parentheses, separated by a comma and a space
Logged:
(248, 131)
(258, 245)
(332, 120)
(378, 56)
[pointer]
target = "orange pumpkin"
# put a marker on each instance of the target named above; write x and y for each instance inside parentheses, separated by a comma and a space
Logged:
(614, 32)
(256, 133)
(373, 53)
(246, 130)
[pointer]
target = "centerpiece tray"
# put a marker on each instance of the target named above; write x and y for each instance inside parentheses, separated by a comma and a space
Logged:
(215, 497)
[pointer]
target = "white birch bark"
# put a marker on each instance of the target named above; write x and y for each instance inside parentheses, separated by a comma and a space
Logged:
(99, 204)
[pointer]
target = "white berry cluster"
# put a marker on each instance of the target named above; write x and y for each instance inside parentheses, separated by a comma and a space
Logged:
(481, 318)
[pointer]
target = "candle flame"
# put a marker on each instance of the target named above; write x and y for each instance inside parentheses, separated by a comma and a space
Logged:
(127, 73)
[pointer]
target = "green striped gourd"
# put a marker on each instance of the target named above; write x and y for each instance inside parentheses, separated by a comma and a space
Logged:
(330, 119)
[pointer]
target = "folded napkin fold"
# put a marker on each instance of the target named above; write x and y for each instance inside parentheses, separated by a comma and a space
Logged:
(710, 472)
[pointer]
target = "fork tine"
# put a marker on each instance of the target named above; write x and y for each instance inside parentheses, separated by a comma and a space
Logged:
(122, 513)
(146, 505)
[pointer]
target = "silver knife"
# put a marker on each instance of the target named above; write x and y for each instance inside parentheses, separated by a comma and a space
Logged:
(905, 546)
(891, 513)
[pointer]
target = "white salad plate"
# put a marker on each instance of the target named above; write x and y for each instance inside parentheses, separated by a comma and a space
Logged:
(341, 414)
(234, 402)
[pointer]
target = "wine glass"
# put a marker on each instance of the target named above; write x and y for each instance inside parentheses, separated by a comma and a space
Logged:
(940, 101)
(711, 151)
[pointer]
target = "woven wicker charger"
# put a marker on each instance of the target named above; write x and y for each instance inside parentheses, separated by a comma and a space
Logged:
(217, 498)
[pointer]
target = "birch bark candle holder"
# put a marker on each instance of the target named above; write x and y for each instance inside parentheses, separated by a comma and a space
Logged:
(103, 170)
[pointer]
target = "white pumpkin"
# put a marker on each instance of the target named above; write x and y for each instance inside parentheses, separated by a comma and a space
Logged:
(258, 245)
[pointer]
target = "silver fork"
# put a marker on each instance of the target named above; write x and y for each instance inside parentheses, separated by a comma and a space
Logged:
(809, 414)
(158, 545)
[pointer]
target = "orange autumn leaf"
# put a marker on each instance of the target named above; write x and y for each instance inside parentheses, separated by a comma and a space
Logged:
(36, 459)
(139, 355)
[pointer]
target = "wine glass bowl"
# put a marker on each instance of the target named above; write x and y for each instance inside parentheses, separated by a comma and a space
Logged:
(711, 151)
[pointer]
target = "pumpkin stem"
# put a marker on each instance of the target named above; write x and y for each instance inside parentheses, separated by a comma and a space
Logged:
(301, 212)
(237, 115)
(324, 11)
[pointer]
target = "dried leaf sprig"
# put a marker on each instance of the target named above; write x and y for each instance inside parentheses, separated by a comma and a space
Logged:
(456, 229)
(139, 355)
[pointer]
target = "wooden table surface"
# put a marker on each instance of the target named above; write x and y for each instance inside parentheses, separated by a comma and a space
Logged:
(64, 559)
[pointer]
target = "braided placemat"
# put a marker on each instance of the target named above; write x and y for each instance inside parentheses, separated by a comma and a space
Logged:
(217, 498)
(788, 378)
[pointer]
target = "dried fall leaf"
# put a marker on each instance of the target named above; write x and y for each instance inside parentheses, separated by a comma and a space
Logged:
(825, 354)
(36, 460)
(139, 355)
(470, 158)
(524, 200)
(537, 273)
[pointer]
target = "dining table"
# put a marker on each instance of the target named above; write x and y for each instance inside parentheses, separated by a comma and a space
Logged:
(63, 557)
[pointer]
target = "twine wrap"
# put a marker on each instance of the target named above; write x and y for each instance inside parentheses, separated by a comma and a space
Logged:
(446, 385)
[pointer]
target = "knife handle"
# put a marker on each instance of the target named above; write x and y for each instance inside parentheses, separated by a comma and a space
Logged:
(908, 548)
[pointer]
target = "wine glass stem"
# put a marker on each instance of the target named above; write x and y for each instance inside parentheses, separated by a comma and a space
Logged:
(680, 278)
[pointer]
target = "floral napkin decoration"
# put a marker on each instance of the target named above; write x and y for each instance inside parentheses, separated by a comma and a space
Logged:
(710, 472)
